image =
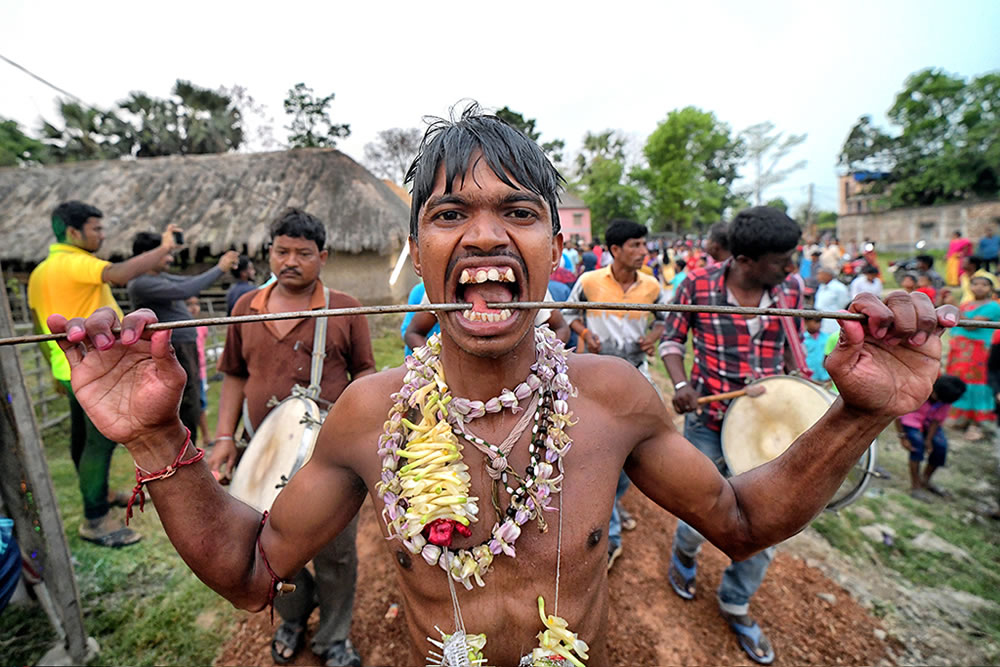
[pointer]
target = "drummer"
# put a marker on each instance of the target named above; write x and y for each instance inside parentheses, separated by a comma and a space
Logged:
(262, 361)
(728, 351)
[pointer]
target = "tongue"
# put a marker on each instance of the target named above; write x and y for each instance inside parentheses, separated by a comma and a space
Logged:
(482, 293)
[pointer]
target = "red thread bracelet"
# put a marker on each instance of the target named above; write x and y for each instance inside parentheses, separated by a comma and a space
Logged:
(144, 477)
(278, 585)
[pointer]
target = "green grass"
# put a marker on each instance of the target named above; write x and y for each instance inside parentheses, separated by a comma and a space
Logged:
(141, 603)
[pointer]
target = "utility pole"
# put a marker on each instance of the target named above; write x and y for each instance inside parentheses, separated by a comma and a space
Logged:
(809, 210)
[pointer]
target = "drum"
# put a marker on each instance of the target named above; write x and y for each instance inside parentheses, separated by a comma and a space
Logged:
(280, 446)
(757, 430)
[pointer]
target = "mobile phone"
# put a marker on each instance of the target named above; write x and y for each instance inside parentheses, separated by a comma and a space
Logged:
(179, 238)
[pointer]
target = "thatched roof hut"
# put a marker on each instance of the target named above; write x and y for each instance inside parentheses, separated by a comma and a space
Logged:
(221, 201)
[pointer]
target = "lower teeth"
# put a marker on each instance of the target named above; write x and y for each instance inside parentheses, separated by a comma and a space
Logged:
(476, 316)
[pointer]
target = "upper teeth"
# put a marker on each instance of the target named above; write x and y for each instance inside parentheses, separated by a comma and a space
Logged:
(482, 275)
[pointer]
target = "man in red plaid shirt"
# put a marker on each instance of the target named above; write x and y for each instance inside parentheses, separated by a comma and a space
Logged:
(729, 352)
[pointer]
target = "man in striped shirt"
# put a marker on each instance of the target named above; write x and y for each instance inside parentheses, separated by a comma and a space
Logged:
(729, 352)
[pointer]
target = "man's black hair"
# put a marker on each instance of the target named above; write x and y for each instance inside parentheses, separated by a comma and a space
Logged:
(298, 224)
(760, 230)
(72, 214)
(911, 276)
(620, 231)
(680, 264)
(241, 265)
(719, 233)
(508, 153)
(926, 259)
(870, 270)
(948, 388)
(975, 261)
(145, 241)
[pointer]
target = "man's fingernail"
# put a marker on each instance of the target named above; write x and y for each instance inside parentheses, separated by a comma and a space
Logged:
(74, 333)
(102, 342)
(950, 318)
(918, 338)
(128, 336)
(881, 331)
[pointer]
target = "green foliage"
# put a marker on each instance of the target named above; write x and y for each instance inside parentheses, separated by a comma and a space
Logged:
(779, 204)
(390, 155)
(603, 182)
(86, 134)
(17, 148)
(765, 148)
(692, 161)
(194, 120)
(554, 149)
(945, 141)
(311, 126)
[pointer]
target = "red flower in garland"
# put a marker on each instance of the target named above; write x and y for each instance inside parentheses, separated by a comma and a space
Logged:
(441, 531)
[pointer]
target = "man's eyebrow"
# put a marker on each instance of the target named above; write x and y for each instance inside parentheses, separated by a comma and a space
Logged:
(450, 198)
(521, 196)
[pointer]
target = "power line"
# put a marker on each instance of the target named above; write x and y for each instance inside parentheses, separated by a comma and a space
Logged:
(80, 101)
(46, 82)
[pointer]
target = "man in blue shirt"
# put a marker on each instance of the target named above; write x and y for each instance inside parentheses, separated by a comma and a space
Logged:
(989, 249)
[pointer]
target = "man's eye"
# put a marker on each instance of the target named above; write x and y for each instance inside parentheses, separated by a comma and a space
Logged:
(448, 216)
(522, 213)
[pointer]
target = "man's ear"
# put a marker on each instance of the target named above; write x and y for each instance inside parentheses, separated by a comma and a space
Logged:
(414, 255)
(73, 235)
(557, 248)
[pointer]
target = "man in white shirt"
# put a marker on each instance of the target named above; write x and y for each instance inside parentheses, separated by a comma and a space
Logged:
(831, 256)
(868, 281)
(831, 295)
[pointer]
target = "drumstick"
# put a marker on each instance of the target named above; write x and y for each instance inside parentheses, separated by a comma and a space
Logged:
(514, 305)
(753, 391)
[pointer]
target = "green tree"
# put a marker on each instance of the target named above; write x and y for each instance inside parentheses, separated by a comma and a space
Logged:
(554, 148)
(944, 144)
(779, 204)
(692, 161)
(390, 155)
(86, 134)
(311, 126)
(765, 148)
(609, 194)
(17, 148)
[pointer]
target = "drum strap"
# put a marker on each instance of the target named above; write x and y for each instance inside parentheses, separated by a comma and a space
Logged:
(318, 352)
(794, 342)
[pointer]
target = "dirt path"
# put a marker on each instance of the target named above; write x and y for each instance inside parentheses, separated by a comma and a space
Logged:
(649, 624)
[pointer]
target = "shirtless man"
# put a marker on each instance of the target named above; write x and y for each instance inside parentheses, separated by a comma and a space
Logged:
(477, 206)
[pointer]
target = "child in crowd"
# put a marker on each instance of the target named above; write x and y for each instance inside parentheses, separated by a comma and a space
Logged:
(968, 356)
(194, 307)
(815, 344)
(908, 283)
(923, 426)
(925, 286)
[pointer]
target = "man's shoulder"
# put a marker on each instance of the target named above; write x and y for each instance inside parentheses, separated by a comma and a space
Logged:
(340, 299)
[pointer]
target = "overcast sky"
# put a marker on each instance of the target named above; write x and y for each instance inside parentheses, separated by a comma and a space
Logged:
(809, 67)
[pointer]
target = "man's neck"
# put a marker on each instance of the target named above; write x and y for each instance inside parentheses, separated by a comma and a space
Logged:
(623, 274)
(294, 294)
(738, 280)
(482, 378)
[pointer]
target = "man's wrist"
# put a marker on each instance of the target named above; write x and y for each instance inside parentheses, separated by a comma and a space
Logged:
(680, 385)
(157, 448)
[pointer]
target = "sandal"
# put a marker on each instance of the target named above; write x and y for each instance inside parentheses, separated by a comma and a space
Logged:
(683, 587)
(108, 532)
(120, 498)
(342, 654)
(290, 636)
(937, 491)
(751, 639)
(628, 521)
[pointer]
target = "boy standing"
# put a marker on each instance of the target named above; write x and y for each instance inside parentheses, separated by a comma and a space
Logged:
(923, 426)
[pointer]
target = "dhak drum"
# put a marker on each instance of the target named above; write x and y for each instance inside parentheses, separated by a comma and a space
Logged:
(279, 448)
(758, 429)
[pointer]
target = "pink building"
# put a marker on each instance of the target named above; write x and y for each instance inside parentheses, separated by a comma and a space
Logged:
(574, 216)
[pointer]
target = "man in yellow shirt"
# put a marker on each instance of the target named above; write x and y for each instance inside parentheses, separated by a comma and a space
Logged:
(72, 280)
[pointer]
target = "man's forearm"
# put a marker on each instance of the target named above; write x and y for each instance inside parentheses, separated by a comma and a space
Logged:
(122, 272)
(213, 532)
(230, 404)
(674, 363)
(780, 498)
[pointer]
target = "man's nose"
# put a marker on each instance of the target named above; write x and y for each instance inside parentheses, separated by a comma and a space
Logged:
(485, 233)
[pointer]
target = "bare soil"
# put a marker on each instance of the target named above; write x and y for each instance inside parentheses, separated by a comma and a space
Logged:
(649, 624)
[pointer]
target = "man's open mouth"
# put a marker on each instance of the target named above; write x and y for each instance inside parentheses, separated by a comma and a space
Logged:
(484, 284)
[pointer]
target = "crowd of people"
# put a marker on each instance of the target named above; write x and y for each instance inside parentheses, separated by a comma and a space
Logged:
(491, 235)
